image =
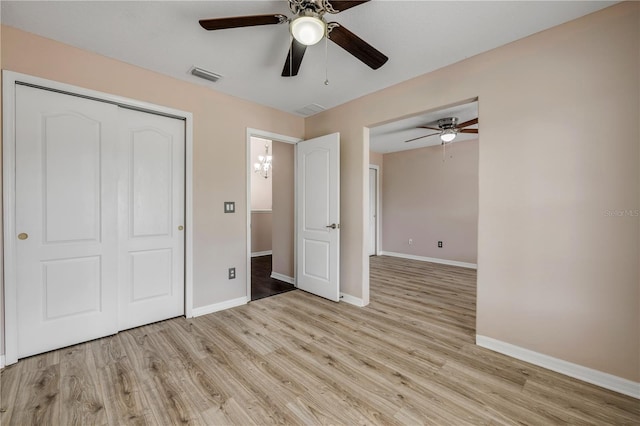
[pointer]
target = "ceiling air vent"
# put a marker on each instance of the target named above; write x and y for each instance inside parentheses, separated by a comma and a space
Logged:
(310, 110)
(207, 75)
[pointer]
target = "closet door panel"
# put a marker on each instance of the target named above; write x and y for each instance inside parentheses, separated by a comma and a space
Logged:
(66, 219)
(151, 218)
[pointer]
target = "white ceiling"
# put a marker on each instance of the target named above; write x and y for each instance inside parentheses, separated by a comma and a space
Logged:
(417, 36)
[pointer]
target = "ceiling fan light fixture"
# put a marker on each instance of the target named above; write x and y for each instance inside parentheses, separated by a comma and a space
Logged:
(448, 135)
(308, 30)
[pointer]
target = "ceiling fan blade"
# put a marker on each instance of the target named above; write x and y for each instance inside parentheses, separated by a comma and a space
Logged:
(421, 137)
(467, 123)
(356, 46)
(341, 5)
(291, 67)
(241, 21)
(468, 131)
(427, 127)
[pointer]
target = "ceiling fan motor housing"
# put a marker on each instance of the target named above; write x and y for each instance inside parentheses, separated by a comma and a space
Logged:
(298, 6)
(448, 123)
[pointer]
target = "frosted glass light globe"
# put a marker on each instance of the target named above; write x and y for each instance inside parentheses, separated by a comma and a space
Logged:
(308, 30)
(447, 136)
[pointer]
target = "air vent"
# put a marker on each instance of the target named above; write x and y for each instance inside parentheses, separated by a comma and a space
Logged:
(207, 75)
(310, 110)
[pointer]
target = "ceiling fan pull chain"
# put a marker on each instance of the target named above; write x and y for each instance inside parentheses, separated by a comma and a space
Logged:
(326, 61)
(290, 54)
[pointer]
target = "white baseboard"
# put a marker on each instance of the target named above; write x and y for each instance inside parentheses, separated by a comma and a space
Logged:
(430, 259)
(595, 377)
(261, 253)
(2, 361)
(227, 304)
(352, 300)
(282, 277)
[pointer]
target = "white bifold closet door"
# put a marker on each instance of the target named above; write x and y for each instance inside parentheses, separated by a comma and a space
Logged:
(97, 243)
(151, 218)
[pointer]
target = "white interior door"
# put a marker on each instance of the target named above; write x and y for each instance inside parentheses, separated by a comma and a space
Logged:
(65, 217)
(151, 218)
(318, 212)
(373, 211)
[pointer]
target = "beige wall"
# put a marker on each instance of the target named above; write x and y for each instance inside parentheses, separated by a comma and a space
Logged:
(261, 231)
(375, 158)
(430, 200)
(219, 136)
(261, 191)
(556, 275)
(283, 208)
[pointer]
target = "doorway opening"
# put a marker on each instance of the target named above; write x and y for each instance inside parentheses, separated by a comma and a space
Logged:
(270, 214)
(271, 161)
(428, 201)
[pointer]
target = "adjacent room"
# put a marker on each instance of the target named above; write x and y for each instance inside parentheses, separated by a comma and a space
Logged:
(427, 169)
(320, 212)
(271, 217)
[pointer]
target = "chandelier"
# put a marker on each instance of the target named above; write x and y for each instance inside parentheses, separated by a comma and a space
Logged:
(263, 166)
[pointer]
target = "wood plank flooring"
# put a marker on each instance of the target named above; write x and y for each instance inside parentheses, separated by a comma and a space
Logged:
(407, 358)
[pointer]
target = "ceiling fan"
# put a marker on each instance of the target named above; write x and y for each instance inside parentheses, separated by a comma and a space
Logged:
(308, 27)
(448, 128)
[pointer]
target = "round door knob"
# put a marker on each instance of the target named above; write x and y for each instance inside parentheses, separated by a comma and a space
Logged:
(23, 236)
(180, 228)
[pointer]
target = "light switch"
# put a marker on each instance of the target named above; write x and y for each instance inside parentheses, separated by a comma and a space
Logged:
(229, 207)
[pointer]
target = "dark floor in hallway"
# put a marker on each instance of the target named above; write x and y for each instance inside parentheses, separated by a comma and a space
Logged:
(262, 285)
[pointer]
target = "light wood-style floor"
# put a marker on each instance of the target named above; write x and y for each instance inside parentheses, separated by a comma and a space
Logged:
(407, 358)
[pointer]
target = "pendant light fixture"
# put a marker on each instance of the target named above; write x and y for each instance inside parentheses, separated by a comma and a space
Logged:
(264, 165)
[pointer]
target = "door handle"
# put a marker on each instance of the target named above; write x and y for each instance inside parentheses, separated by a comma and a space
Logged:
(333, 226)
(23, 236)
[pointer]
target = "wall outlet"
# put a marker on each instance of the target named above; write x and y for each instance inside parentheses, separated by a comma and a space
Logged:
(439, 244)
(410, 241)
(232, 273)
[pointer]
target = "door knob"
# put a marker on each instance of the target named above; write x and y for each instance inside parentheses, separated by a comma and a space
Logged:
(180, 228)
(332, 226)
(23, 236)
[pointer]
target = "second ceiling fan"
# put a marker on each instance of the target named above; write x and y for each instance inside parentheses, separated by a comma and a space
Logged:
(447, 129)
(308, 27)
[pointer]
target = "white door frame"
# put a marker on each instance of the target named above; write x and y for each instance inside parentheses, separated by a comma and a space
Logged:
(9, 81)
(273, 137)
(378, 239)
